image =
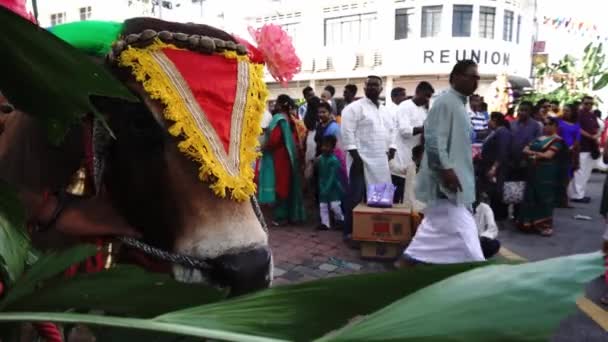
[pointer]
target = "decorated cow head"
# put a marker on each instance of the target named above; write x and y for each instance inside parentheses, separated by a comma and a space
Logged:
(175, 153)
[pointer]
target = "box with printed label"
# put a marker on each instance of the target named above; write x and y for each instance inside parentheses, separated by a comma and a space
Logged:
(381, 250)
(382, 224)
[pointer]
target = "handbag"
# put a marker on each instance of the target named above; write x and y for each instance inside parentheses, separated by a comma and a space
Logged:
(380, 195)
(513, 192)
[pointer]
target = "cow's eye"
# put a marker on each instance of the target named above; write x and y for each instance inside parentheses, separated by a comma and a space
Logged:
(144, 128)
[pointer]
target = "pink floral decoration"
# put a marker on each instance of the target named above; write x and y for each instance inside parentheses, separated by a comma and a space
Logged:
(18, 7)
(278, 51)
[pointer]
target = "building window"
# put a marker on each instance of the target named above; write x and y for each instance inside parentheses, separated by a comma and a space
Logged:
(351, 29)
(487, 16)
(57, 18)
(85, 13)
(403, 23)
(431, 21)
(507, 30)
(461, 20)
(292, 30)
(518, 29)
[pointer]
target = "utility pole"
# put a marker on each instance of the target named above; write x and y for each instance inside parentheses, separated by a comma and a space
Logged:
(534, 40)
(35, 7)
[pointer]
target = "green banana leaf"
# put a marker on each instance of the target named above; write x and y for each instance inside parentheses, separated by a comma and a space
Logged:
(49, 79)
(269, 314)
(47, 266)
(123, 291)
(500, 303)
(103, 334)
(303, 312)
(602, 82)
(14, 243)
(495, 303)
(130, 323)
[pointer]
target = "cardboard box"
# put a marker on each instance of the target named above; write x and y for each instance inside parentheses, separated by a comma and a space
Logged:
(382, 224)
(381, 250)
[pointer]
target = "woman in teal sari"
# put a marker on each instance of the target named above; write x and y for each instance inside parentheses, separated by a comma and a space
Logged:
(279, 176)
(548, 167)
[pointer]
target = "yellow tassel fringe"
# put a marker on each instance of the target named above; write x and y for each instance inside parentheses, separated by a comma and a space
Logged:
(156, 83)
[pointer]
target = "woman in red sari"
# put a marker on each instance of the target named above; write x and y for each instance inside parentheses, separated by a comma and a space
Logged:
(279, 178)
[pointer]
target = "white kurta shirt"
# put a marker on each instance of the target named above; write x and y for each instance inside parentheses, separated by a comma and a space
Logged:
(484, 218)
(407, 116)
(370, 130)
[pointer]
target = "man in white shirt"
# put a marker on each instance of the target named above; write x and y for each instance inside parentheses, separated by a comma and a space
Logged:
(367, 131)
(398, 95)
(409, 121)
(329, 97)
(487, 227)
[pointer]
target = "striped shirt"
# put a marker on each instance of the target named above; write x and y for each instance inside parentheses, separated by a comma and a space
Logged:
(479, 121)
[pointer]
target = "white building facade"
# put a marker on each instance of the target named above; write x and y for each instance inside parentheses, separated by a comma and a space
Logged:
(403, 41)
(343, 41)
(55, 12)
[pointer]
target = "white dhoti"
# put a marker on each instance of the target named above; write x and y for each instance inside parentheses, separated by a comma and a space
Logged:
(578, 185)
(310, 155)
(447, 234)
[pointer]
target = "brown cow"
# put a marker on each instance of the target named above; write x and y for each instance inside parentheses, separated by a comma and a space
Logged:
(151, 184)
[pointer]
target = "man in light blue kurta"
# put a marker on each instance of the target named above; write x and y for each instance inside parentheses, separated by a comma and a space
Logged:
(446, 182)
(447, 144)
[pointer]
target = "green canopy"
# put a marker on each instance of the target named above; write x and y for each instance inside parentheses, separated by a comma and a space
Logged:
(92, 37)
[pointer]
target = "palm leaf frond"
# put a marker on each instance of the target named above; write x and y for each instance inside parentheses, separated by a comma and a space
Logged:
(46, 266)
(303, 312)
(123, 290)
(49, 79)
(496, 303)
(14, 243)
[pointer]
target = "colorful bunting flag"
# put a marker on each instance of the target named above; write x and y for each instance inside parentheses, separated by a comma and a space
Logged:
(575, 27)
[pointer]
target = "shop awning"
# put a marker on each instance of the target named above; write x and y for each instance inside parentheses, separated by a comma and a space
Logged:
(519, 83)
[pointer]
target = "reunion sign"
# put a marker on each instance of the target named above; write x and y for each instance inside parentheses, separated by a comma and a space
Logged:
(480, 56)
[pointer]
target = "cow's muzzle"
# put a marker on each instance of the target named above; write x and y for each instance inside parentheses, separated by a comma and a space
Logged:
(243, 272)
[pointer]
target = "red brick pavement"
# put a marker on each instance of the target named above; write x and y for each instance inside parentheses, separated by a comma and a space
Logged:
(304, 253)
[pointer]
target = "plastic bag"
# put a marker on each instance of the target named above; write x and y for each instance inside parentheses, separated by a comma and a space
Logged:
(380, 195)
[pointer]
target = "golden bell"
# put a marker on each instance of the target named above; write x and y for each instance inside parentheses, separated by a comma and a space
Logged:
(78, 183)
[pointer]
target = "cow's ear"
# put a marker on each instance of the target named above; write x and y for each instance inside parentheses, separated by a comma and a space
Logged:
(48, 78)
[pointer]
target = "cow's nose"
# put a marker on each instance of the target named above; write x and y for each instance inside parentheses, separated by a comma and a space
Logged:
(243, 272)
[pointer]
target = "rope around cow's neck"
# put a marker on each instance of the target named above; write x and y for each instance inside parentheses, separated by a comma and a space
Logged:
(181, 259)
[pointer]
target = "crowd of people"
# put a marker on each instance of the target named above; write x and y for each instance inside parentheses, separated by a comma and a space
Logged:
(549, 151)
(531, 160)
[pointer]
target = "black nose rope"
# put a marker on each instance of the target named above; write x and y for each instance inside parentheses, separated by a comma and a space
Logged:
(181, 259)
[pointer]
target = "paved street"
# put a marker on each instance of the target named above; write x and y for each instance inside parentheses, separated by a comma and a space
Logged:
(302, 253)
(570, 236)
